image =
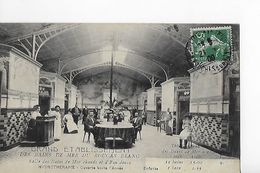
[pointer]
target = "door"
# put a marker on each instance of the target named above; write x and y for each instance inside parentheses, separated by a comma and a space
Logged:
(44, 103)
(234, 111)
(66, 104)
(183, 109)
(158, 109)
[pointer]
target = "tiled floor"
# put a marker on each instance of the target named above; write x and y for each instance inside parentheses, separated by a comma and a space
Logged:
(153, 144)
(63, 156)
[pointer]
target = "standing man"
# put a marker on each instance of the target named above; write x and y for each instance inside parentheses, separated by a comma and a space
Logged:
(76, 113)
(95, 111)
(85, 114)
(137, 123)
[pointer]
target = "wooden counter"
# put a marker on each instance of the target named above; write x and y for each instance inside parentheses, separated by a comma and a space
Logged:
(45, 130)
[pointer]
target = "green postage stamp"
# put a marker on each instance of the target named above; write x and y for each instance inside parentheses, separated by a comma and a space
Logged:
(211, 44)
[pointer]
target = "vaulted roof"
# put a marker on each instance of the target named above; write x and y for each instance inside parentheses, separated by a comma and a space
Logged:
(139, 50)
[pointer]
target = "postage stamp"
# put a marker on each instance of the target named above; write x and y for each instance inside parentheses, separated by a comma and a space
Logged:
(211, 44)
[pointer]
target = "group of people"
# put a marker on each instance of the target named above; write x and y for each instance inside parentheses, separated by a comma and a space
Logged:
(72, 117)
(91, 118)
(55, 112)
(169, 122)
(185, 136)
(69, 121)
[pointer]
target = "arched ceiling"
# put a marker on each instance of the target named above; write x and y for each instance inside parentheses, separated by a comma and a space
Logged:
(156, 49)
(118, 70)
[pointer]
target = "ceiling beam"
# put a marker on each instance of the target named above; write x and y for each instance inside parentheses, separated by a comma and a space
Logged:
(49, 29)
(108, 63)
(72, 74)
(162, 66)
(39, 38)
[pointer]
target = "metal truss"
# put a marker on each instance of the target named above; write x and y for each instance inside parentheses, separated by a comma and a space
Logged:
(157, 63)
(33, 42)
(153, 79)
(69, 76)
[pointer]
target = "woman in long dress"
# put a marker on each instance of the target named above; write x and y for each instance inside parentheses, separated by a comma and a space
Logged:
(54, 112)
(169, 123)
(36, 112)
(70, 125)
(31, 129)
(127, 115)
(102, 114)
(57, 123)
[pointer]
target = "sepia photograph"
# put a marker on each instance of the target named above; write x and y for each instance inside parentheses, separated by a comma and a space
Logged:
(118, 97)
(112, 97)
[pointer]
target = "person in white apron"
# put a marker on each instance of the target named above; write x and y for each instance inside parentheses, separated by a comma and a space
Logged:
(169, 121)
(127, 115)
(70, 125)
(57, 123)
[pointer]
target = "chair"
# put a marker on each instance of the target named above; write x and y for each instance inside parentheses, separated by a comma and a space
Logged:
(189, 141)
(113, 140)
(86, 130)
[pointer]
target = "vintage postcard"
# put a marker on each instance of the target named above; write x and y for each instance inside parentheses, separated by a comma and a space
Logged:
(128, 97)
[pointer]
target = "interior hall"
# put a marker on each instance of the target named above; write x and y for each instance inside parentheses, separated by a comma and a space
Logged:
(119, 86)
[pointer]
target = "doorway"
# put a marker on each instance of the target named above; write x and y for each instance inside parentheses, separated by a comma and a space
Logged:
(44, 102)
(66, 104)
(183, 109)
(234, 112)
(158, 108)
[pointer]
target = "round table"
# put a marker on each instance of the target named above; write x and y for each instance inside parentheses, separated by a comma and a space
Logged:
(123, 132)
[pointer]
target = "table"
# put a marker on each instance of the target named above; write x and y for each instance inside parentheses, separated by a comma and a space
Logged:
(107, 130)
